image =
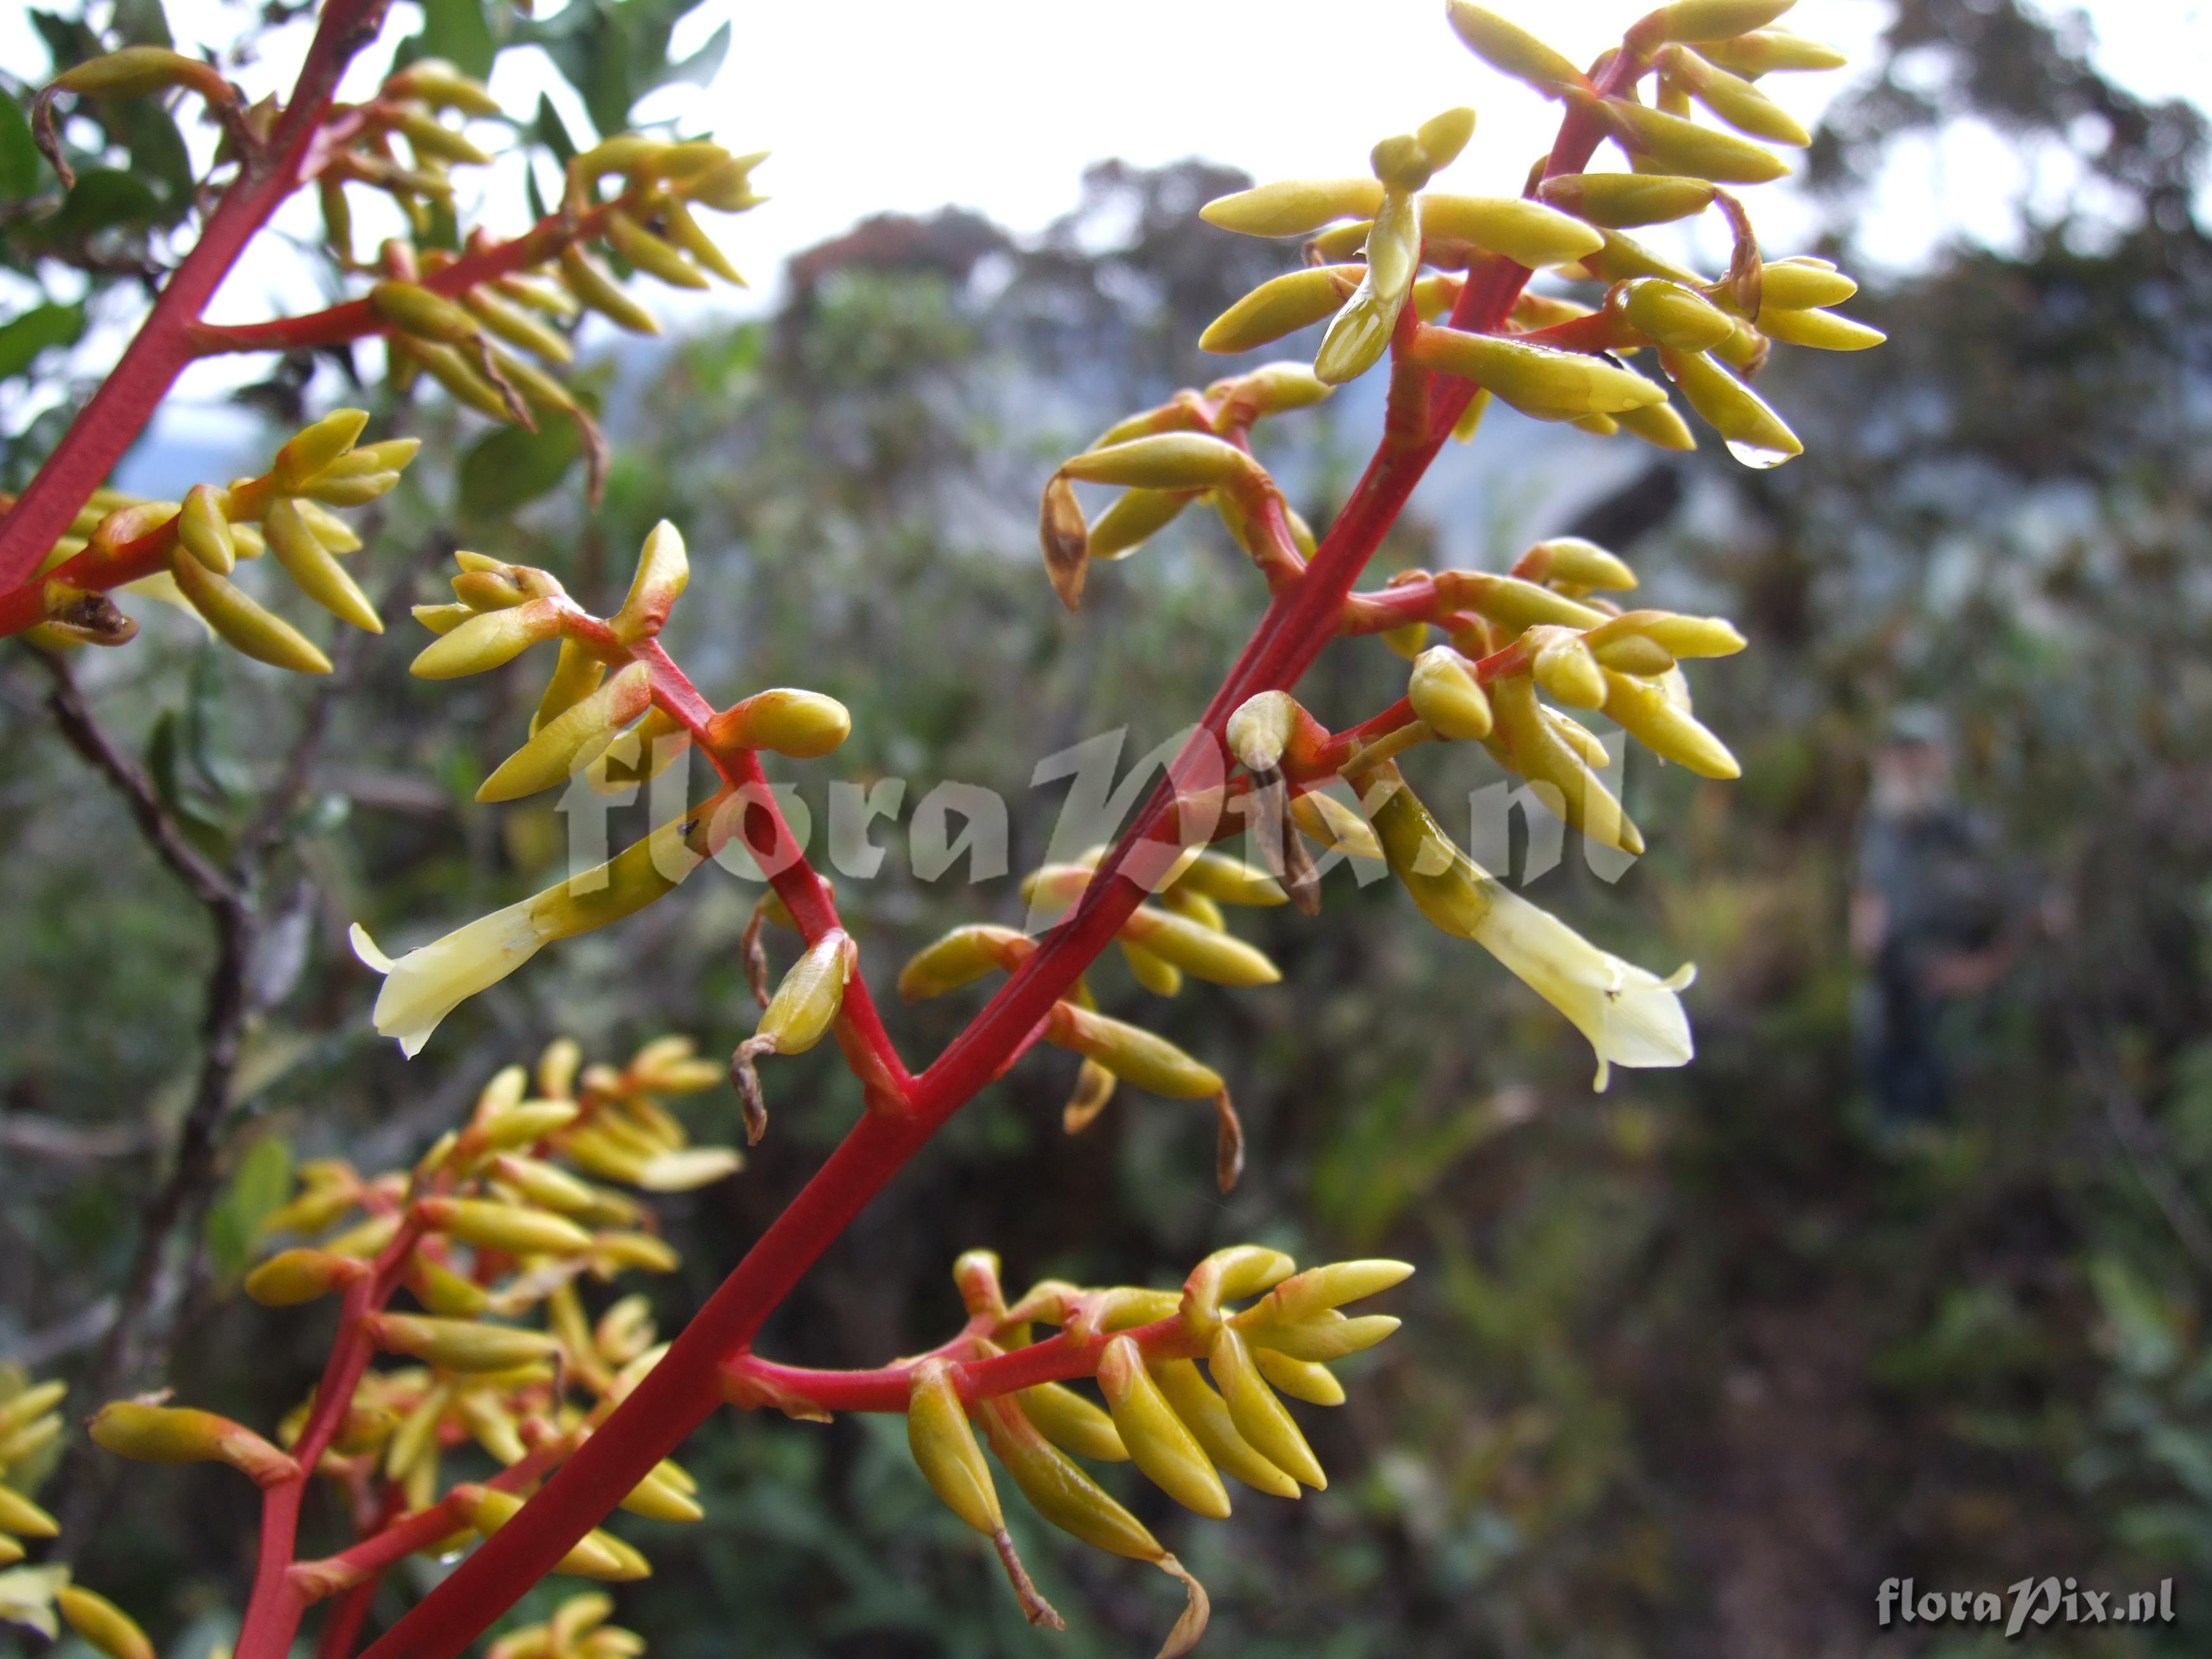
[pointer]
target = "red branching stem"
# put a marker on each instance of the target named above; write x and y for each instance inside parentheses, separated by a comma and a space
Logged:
(685, 1386)
(354, 319)
(112, 418)
(885, 1389)
(341, 1628)
(274, 1609)
(419, 1530)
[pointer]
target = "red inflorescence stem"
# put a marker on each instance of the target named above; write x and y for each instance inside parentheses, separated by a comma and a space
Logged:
(111, 420)
(687, 1384)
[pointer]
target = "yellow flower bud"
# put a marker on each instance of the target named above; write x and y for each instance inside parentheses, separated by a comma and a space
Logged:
(688, 235)
(1617, 200)
(1647, 714)
(489, 640)
(310, 564)
(1258, 1415)
(23, 1518)
(517, 327)
(1659, 425)
(1136, 1056)
(241, 623)
(1317, 1290)
(436, 81)
(1715, 20)
(803, 724)
(805, 1004)
(176, 1434)
(313, 449)
(292, 1277)
(1763, 51)
(649, 253)
(204, 532)
(1218, 878)
(1446, 695)
(1162, 978)
(1058, 1489)
(1072, 1423)
(512, 1228)
(682, 1169)
(1823, 330)
(1512, 50)
(1801, 285)
(1260, 730)
(418, 311)
(611, 1251)
(960, 957)
(1135, 517)
(1732, 98)
(1527, 233)
(1566, 668)
(93, 1616)
(1206, 1416)
(1575, 562)
(137, 71)
(1756, 435)
(1535, 379)
(33, 1403)
(1301, 1379)
(1331, 1336)
(945, 1450)
(1544, 756)
(458, 1345)
(1161, 1446)
(1295, 207)
(1669, 315)
(657, 1498)
(444, 1292)
(574, 740)
(1282, 305)
(1167, 460)
(1682, 145)
(1200, 951)
(603, 294)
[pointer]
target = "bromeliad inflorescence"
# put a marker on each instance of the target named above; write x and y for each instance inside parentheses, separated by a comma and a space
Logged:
(495, 1232)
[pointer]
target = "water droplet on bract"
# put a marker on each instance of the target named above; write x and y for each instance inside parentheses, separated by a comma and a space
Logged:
(1758, 457)
(451, 1558)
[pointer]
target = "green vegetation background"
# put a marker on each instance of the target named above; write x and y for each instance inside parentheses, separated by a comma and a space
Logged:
(1690, 1367)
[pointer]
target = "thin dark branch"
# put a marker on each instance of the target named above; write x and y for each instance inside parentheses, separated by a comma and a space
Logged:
(73, 716)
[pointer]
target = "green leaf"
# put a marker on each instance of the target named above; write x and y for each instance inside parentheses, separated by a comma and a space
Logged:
(25, 337)
(511, 466)
(20, 164)
(457, 31)
(104, 197)
(263, 1181)
(551, 130)
(701, 65)
(141, 23)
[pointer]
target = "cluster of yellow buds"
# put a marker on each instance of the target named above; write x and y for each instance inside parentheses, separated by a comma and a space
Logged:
(455, 334)
(184, 552)
(1188, 449)
(491, 1233)
(1369, 239)
(409, 108)
(577, 1630)
(1184, 934)
(29, 1429)
(613, 709)
(1161, 1413)
(42, 1597)
(1546, 627)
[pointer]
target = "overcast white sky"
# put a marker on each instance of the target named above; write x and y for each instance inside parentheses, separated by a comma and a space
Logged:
(998, 105)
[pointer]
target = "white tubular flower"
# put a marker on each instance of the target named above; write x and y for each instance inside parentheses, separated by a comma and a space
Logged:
(1631, 1016)
(427, 983)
